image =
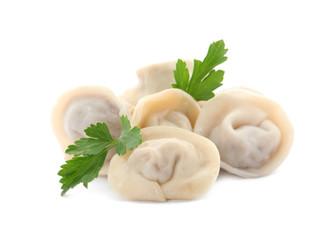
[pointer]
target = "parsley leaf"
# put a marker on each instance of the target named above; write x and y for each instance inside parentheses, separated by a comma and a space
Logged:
(90, 153)
(205, 79)
(128, 138)
(100, 131)
(82, 169)
(181, 75)
(92, 146)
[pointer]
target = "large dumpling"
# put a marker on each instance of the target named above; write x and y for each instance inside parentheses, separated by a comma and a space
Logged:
(253, 133)
(171, 107)
(171, 163)
(152, 79)
(79, 108)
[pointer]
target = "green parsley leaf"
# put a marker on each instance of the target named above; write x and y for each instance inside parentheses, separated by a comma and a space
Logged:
(90, 153)
(82, 169)
(205, 79)
(181, 75)
(128, 138)
(91, 146)
(100, 131)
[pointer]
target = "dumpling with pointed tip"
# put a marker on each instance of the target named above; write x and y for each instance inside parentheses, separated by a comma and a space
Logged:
(171, 107)
(253, 133)
(171, 163)
(77, 109)
(152, 79)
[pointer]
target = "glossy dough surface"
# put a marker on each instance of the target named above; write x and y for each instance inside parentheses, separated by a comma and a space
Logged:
(171, 107)
(152, 79)
(253, 133)
(171, 163)
(79, 108)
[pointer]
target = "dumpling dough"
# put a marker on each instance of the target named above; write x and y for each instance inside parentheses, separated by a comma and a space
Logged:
(171, 107)
(171, 163)
(201, 103)
(79, 108)
(152, 79)
(253, 133)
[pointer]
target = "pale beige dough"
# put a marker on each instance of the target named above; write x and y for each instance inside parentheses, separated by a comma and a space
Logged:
(171, 163)
(171, 107)
(253, 133)
(152, 79)
(77, 109)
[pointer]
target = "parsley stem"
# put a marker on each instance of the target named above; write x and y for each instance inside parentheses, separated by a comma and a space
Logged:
(110, 146)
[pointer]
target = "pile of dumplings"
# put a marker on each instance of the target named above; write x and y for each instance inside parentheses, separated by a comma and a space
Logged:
(185, 142)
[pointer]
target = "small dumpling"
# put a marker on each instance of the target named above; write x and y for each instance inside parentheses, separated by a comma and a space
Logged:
(152, 79)
(253, 133)
(79, 108)
(171, 107)
(171, 163)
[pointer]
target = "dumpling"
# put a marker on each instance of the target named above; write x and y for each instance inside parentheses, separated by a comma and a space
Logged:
(79, 108)
(152, 79)
(171, 107)
(171, 163)
(253, 133)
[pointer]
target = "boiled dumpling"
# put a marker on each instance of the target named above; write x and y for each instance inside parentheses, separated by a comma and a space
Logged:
(152, 79)
(171, 107)
(79, 108)
(171, 163)
(252, 133)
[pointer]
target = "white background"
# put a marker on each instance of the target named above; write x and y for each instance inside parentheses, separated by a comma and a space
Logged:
(49, 47)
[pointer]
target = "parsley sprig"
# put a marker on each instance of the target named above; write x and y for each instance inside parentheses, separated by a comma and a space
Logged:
(90, 153)
(205, 79)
